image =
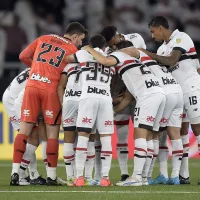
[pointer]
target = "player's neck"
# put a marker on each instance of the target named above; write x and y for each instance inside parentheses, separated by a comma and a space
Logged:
(167, 35)
(68, 37)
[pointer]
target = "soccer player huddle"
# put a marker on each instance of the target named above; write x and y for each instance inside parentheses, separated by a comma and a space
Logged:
(106, 83)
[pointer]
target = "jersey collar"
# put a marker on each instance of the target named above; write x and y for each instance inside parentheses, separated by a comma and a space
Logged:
(173, 34)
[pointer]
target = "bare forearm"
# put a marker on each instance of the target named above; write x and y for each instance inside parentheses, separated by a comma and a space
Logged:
(122, 105)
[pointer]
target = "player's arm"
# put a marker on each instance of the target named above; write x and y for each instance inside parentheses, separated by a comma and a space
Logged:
(71, 58)
(107, 61)
(61, 86)
(26, 56)
(131, 51)
(165, 60)
(128, 98)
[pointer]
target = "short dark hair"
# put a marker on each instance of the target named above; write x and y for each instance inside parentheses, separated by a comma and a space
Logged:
(75, 28)
(159, 21)
(108, 32)
(123, 44)
(97, 41)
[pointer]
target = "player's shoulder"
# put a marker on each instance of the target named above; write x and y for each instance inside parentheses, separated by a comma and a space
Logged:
(71, 66)
(133, 36)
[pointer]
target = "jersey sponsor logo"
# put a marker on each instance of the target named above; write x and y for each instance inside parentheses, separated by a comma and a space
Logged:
(38, 77)
(171, 69)
(71, 93)
(69, 120)
(150, 119)
(49, 113)
(167, 81)
(97, 91)
(108, 123)
(151, 83)
(86, 120)
(26, 112)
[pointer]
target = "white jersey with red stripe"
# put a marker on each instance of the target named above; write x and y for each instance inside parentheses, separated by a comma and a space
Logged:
(138, 42)
(167, 81)
(185, 71)
(138, 78)
(95, 78)
(73, 87)
(17, 85)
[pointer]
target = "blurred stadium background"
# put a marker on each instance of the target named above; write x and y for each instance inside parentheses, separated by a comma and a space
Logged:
(21, 21)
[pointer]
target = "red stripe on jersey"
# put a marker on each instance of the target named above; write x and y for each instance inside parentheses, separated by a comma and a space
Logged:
(83, 64)
(97, 147)
(113, 71)
(128, 62)
(25, 161)
(140, 149)
(145, 58)
(70, 69)
(192, 50)
(122, 145)
(68, 157)
(150, 150)
(177, 152)
(155, 155)
(81, 149)
(125, 122)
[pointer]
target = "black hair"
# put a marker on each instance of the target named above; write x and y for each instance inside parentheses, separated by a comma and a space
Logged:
(124, 44)
(76, 28)
(109, 32)
(159, 21)
(97, 41)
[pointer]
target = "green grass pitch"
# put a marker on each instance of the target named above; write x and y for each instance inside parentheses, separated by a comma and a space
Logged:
(157, 192)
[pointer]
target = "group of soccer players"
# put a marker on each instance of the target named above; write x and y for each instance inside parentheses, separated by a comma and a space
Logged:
(105, 83)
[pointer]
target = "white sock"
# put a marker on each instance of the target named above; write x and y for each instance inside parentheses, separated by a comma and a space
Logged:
(27, 157)
(155, 155)
(122, 148)
(97, 174)
(106, 155)
(44, 153)
(51, 172)
(81, 154)
(184, 171)
(89, 164)
(32, 167)
(15, 168)
(140, 154)
(177, 154)
(68, 154)
(150, 152)
(163, 154)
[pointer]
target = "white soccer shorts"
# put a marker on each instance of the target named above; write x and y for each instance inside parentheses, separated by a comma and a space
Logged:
(149, 111)
(69, 115)
(172, 115)
(192, 106)
(8, 103)
(95, 112)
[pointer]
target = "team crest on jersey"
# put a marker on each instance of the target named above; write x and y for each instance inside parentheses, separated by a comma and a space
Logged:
(178, 40)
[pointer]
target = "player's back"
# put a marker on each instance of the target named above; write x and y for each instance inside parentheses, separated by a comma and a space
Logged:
(137, 77)
(48, 61)
(95, 78)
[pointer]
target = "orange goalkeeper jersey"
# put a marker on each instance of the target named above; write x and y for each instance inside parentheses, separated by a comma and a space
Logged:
(46, 56)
